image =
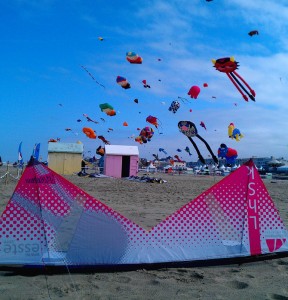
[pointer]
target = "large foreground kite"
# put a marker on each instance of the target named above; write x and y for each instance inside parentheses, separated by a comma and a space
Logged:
(189, 129)
(228, 65)
(49, 222)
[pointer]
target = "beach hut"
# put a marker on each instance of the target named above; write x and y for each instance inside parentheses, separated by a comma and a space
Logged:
(121, 161)
(65, 158)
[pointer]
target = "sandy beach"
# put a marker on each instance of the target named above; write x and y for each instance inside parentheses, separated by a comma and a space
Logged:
(147, 204)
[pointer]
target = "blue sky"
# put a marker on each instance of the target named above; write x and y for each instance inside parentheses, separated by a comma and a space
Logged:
(44, 90)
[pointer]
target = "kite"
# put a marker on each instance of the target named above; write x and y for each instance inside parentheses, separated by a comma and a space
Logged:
(253, 32)
(90, 133)
(100, 38)
(100, 151)
(125, 124)
(228, 153)
(156, 156)
(88, 119)
(145, 135)
(194, 91)
(153, 120)
(179, 150)
(189, 129)
(79, 120)
(53, 141)
(92, 76)
(108, 109)
(133, 58)
(188, 150)
(234, 133)
(205, 84)
(139, 139)
(136, 100)
(228, 65)
(182, 99)
(162, 150)
(175, 105)
(101, 137)
(202, 124)
(145, 84)
(178, 158)
(122, 81)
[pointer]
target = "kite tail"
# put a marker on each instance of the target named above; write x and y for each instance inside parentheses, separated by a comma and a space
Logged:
(248, 86)
(160, 125)
(197, 150)
(209, 149)
(242, 87)
(237, 87)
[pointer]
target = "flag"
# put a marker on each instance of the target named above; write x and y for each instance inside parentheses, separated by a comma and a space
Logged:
(20, 157)
(36, 151)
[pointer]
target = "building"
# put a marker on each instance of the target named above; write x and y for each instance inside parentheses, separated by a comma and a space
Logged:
(65, 158)
(121, 161)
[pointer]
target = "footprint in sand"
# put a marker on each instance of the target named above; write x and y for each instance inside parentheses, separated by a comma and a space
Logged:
(278, 297)
(282, 262)
(155, 282)
(239, 285)
(197, 275)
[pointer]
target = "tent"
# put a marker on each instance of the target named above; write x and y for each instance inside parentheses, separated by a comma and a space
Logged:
(151, 168)
(50, 222)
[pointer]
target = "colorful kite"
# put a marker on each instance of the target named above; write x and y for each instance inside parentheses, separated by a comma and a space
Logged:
(194, 91)
(175, 105)
(108, 109)
(153, 120)
(228, 153)
(228, 65)
(145, 84)
(202, 124)
(90, 133)
(102, 138)
(189, 129)
(145, 135)
(122, 81)
(234, 133)
(133, 58)
(178, 158)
